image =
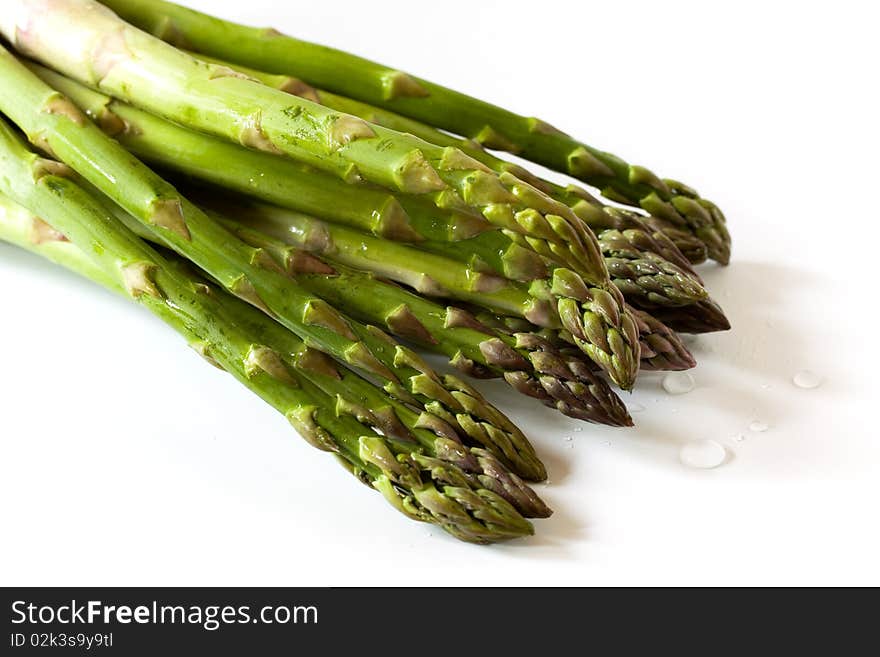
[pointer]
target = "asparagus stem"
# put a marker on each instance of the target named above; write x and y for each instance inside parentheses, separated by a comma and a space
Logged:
(430, 103)
(57, 125)
(598, 216)
(427, 273)
(590, 313)
(528, 362)
(425, 487)
(166, 81)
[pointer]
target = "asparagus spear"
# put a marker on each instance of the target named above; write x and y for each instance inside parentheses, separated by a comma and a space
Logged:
(703, 317)
(423, 486)
(395, 90)
(527, 361)
(283, 181)
(661, 347)
(646, 277)
(56, 125)
(598, 216)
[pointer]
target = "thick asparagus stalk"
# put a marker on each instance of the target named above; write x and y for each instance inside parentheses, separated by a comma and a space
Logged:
(288, 183)
(527, 361)
(425, 487)
(455, 112)
(52, 121)
(598, 216)
(134, 66)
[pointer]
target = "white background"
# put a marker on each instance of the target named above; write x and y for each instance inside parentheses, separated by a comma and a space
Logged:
(125, 460)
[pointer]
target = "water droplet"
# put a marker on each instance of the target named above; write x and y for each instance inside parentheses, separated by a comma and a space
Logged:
(636, 408)
(702, 454)
(739, 437)
(678, 383)
(758, 427)
(567, 438)
(806, 379)
(578, 429)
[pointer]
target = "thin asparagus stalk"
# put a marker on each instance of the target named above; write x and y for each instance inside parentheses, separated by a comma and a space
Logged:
(527, 361)
(427, 273)
(288, 183)
(489, 125)
(424, 487)
(598, 216)
(54, 123)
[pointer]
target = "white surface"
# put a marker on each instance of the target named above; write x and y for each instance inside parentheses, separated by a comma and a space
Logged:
(125, 460)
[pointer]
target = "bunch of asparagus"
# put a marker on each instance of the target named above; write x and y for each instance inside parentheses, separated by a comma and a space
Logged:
(315, 215)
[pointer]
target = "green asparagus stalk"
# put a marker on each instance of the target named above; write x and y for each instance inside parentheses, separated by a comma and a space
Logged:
(527, 361)
(285, 182)
(489, 125)
(164, 80)
(422, 486)
(461, 336)
(53, 122)
(134, 66)
(397, 262)
(598, 216)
